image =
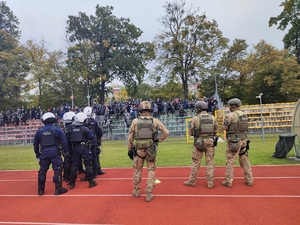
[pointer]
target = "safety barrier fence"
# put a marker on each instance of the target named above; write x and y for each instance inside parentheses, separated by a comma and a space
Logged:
(274, 118)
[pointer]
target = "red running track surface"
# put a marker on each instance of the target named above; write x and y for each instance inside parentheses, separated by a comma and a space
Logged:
(274, 199)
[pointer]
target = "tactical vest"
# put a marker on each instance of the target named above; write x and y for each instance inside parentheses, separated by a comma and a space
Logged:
(91, 124)
(239, 125)
(144, 131)
(204, 126)
(48, 138)
(77, 134)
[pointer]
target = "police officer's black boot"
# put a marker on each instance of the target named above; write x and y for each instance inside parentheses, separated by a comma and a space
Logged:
(40, 192)
(60, 190)
(72, 184)
(92, 183)
(100, 172)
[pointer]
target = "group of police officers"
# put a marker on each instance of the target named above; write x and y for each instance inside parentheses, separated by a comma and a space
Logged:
(67, 148)
(79, 143)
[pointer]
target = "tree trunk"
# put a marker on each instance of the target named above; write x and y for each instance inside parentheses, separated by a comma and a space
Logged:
(102, 91)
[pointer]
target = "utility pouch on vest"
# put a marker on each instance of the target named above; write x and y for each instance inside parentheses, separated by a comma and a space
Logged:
(234, 144)
(143, 143)
(151, 153)
(200, 144)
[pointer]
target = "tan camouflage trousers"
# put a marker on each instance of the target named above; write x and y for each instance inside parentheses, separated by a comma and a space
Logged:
(209, 157)
(138, 164)
(231, 157)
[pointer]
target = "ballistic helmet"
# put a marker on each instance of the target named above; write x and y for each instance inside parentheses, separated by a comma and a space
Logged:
(49, 117)
(201, 105)
(68, 117)
(145, 105)
(234, 101)
(88, 111)
(80, 117)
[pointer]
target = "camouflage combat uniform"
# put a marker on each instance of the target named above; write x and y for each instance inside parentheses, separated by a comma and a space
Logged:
(233, 152)
(142, 156)
(197, 155)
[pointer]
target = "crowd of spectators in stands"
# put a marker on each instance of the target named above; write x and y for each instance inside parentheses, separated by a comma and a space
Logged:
(103, 112)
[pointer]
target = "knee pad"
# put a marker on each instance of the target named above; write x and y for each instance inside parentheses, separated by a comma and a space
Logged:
(75, 169)
(42, 176)
(57, 178)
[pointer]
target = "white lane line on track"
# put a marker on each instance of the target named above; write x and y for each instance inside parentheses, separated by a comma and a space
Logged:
(159, 178)
(37, 223)
(160, 195)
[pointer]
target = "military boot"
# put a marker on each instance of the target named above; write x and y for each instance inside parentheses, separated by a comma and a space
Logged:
(249, 183)
(60, 191)
(136, 193)
(226, 184)
(149, 197)
(210, 185)
(92, 183)
(189, 183)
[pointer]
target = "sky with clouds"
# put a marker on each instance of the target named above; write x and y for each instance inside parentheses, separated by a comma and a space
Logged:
(244, 19)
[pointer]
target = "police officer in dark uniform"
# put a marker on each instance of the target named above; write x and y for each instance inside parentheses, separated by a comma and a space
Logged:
(46, 142)
(97, 131)
(68, 119)
(81, 138)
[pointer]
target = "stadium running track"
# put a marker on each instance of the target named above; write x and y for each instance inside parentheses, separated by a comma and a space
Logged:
(274, 199)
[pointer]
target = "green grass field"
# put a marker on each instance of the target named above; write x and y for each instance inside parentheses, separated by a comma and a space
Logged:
(172, 152)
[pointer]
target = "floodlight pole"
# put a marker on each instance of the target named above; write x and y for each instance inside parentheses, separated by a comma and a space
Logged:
(261, 115)
(88, 92)
(72, 97)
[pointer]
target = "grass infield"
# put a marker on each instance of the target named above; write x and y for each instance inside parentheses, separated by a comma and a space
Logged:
(172, 152)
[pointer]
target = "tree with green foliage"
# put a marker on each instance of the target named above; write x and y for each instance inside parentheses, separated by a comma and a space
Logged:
(187, 46)
(8, 21)
(273, 73)
(289, 18)
(106, 48)
(232, 73)
(47, 77)
(13, 66)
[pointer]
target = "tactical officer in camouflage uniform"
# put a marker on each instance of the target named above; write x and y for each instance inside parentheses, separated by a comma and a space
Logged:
(236, 126)
(203, 127)
(143, 135)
